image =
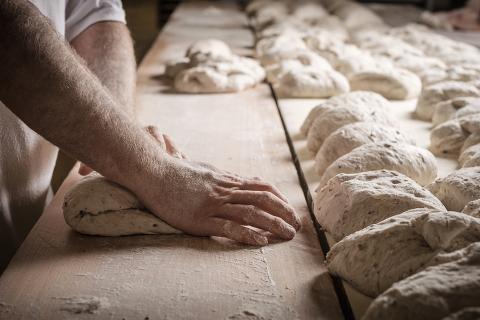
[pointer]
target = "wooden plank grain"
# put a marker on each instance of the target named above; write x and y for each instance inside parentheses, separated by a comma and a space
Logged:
(58, 274)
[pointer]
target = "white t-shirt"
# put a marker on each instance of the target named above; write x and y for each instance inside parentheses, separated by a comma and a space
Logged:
(26, 159)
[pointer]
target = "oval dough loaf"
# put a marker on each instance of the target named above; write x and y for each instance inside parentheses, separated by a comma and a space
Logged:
(376, 257)
(414, 162)
(472, 208)
(96, 206)
(447, 139)
(353, 135)
(472, 140)
(470, 157)
(450, 109)
(438, 292)
(392, 83)
(458, 188)
(350, 202)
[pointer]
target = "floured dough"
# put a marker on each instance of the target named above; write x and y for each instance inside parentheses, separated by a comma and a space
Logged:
(392, 83)
(377, 256)
(472, 208)
(447, 139)
(350, 202)
(442, 91)
(96, 206)
(356, 99)
(472, 140)
(274, 49)
(438, 292)
(311, 83)
(472, 313)
(470, 157)
(458, 188)
(452, 109)
(414, 162)
(353, 135)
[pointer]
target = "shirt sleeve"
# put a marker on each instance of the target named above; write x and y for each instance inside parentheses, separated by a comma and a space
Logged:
(80, 14)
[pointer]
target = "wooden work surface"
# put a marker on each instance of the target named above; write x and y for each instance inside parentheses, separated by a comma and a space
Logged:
(58, 274)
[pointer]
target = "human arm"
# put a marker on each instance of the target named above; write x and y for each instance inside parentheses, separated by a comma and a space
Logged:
(44, 84)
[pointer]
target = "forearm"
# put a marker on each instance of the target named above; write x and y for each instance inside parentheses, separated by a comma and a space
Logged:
(45, 86)
(107, 49)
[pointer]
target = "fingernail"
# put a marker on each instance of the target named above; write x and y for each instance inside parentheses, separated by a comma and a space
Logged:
(290, 231)
(260, 240)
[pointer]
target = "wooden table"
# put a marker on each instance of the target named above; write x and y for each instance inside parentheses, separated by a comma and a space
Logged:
(58, 274)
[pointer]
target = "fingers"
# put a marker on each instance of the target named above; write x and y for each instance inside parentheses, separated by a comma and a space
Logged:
(84, 169)
(268, 202)
(252, 216)
(257, 185)
(234, 231)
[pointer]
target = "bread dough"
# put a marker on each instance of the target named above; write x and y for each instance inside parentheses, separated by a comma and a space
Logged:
(311, 83)
(96, 206)
(458, 188)
(472, 208)
(275, 49)
(471, 123)
(360, 99)
(452, 109)
(472, 140)
(434, 293)
(376, 257)
(414, 162)
(433, 94)
(472, 313)
(350, 202)
(353, 135)
(447, 139)
(392, 83)
(470, 157)
(340, 116)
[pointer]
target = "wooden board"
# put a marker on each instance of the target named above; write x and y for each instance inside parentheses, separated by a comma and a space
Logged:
(295, 111)
(58, 274)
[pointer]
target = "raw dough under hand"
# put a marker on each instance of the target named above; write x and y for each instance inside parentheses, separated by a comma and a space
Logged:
(96, 206)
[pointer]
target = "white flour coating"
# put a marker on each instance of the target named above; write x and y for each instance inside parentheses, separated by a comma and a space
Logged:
(350, 202)
(335, 118)
(379, 255)
(392, 83)
(472, 208)
(311, 83)
(454, 108)
(438, 292)
(414, 162)
(359, 99)
(353, 135)
(274, 49)
(96, 206)
(470, 157)
(458, 188)
(442, 91)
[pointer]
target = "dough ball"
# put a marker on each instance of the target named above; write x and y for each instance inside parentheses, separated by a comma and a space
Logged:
(470, 157)
(472, 208)
(173, 67)
(351, 202)
(471, 313)
(273, 50)
(458, 188)
(96, 206)
(442, 91)
(414, 162)
(451, 109)
(439, 292)
(472, 140)
(376, 257)
(447, 139)
(209, 49)
(392, 83)
(353, 135)
(311, 83)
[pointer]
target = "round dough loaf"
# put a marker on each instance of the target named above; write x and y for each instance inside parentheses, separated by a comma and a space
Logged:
(435, 293)
(96, 206)
(414, 162)
(377, 256)
(442, 91)
(358, 99)
(470, 157)
(451, 109)
(392, 83)
(350, 202)
(353, 135)
(472, 140)
(472, 208)
(447, 139)
(274, 49)
(458, 188)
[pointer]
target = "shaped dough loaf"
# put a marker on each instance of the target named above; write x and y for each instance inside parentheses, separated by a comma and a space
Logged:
(470, 157)
(360, 99)
(353, 135)
(433, 94)
(392, 83)
(350, 202)
(458, 188)
(455, 108)
(445, 291)
(447, 139)
(414, 162)
(472, 208)
(376, 257)
(96, 206)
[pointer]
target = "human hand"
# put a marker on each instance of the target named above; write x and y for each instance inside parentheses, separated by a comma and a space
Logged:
(201, 200)
(163, 140)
